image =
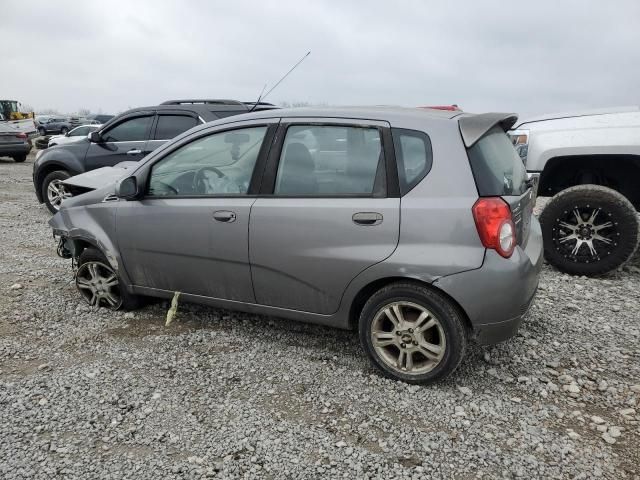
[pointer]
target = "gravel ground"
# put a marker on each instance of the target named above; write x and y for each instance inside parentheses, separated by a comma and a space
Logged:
(228, 395)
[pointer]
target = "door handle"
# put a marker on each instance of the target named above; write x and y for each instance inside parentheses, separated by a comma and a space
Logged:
(224, 216)
(367, 218)
(135, 151)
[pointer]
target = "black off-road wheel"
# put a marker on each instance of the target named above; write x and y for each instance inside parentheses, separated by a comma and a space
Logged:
(589, 230)
(100, 285)
(412, 333)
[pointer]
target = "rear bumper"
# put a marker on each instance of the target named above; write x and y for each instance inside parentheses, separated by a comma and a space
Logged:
(497, 295)
(14, 149)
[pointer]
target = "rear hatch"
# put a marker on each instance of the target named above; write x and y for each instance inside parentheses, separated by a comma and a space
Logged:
(499, 172)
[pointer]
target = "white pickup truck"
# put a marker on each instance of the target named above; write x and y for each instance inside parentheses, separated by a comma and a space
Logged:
(589, 162)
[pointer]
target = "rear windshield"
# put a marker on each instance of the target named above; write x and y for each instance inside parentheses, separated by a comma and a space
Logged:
(496, 166)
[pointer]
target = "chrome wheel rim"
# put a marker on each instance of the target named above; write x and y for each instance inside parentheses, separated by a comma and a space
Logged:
(585, 234)
(57, 193)
(99, 285)
(408, 338)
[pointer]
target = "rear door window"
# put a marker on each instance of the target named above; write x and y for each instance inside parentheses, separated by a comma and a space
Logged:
(413, 155)
(496, 166)
(170, 126)
(328, 160)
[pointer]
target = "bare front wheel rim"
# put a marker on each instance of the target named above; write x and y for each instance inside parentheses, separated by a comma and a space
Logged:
(99, 285)
(408, 338)
(56, 193)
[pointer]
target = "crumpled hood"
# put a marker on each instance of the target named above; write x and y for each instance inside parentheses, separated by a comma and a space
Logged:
(101, 177)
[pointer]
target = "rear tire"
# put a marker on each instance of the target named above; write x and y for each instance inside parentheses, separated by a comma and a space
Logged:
(100, 285)
(51, 199)
(589, 230)
(20, 158)
(426, 345)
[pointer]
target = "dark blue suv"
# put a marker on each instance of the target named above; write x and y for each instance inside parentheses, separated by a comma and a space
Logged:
(54, 125)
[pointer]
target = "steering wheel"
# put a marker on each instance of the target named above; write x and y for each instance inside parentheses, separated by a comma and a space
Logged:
(199, 179)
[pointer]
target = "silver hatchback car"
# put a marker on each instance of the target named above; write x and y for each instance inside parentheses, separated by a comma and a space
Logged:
(413, 226)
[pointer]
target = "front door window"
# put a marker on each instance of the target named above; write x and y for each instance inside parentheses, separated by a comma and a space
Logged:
(134, 129)
(218, 164)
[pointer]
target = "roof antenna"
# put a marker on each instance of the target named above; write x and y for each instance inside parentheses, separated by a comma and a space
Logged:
(261, 97)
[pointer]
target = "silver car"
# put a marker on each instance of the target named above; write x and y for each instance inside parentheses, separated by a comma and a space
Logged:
(413, 226)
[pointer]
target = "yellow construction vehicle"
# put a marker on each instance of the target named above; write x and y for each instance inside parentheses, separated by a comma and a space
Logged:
(15, 113)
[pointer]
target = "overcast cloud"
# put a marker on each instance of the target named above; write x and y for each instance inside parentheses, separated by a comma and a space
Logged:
(527, 57)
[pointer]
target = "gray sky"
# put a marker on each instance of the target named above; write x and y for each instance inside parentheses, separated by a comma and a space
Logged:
(527, 57)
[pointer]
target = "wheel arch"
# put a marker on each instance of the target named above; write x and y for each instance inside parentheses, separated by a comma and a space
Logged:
(45, 170)
(620, 172)
(80, 244)
(369, 289)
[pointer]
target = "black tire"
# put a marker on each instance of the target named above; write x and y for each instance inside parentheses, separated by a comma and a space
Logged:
(20, 158)
(447, 314)
(599, 249)
(128, 301)
(42, 131)
(57, 175)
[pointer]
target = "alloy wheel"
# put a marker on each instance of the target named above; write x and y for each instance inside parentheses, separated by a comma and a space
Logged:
(56, 193)
(99, 285)
(585, 234)
(408, 338)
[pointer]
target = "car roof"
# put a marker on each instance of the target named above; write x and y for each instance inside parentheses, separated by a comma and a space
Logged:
(206, 111)
(382, 113)
(472, 126)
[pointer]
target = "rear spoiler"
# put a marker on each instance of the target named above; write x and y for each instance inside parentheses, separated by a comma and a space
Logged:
(473, 127)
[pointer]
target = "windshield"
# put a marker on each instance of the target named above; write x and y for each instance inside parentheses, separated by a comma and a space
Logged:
(496, 166)
(7, 107)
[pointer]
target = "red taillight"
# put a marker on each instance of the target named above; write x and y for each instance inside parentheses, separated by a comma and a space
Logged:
(22, 135)
(495, 225)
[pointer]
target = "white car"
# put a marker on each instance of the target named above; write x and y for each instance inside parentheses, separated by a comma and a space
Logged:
(74, 135)
(589, 163)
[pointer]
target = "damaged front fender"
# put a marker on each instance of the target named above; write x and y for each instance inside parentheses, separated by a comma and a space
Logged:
(89, 226)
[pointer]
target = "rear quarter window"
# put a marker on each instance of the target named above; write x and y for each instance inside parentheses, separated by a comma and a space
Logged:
(496, 166)
(413, 155)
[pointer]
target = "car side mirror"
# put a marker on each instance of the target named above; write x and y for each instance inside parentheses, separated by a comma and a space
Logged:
(95, 137)
(127, 188)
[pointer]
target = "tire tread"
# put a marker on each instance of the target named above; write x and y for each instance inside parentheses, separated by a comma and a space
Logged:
(595, 194)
